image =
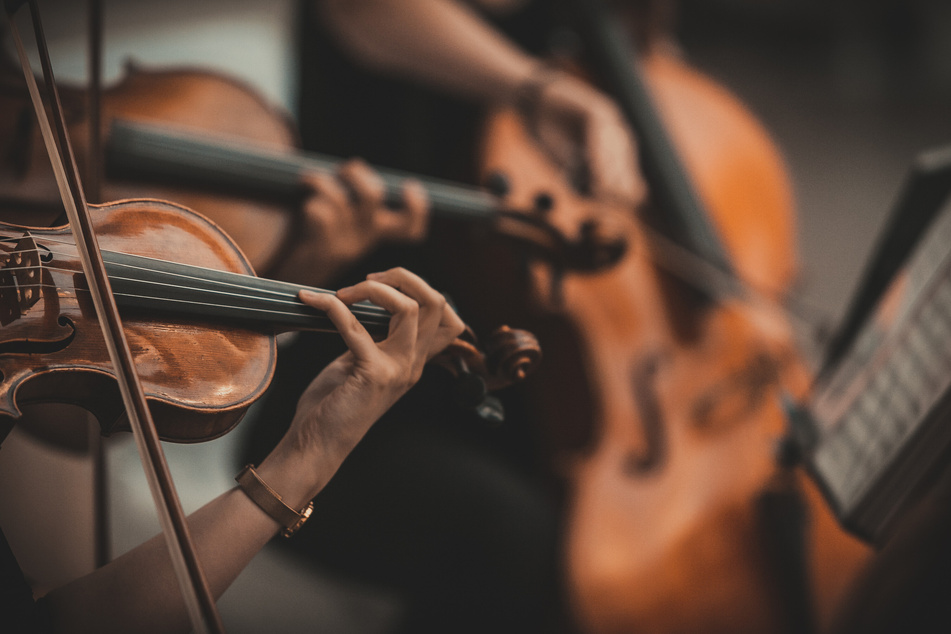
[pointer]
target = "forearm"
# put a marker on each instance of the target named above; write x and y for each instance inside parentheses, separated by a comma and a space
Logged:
(441, 43)
(138, 592)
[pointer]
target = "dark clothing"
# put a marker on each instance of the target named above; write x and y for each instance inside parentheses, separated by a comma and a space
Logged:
(19, 613)
(906, 586)
(429, 508)
(348, 110)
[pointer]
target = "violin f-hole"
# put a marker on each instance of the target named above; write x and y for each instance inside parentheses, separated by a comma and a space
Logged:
(55, 340)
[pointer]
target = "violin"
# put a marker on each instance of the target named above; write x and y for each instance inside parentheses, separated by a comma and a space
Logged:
(217, 146)
(201, 326)
(51, 293)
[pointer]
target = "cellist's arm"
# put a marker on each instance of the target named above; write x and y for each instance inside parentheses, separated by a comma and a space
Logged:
(442, 43)
(138, 592)
(447, 45)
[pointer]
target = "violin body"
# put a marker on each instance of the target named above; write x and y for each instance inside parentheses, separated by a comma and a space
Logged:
(199, 380)
(666, 435)
(197, 319)
(190, 98)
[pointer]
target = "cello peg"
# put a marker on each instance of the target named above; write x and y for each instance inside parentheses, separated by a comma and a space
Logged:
(544, 203)
(497, 184)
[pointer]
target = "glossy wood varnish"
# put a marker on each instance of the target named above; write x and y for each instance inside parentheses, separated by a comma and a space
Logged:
(199, 378)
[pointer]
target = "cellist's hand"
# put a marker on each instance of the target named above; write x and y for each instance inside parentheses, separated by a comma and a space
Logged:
(345, 218)
(444, 44)
(581, 128)
(350, 394)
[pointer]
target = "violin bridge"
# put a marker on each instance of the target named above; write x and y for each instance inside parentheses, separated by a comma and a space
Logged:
(19, 280)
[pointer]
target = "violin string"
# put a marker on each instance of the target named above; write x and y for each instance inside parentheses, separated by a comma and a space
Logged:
(193, 303)
(278, 293)
(289, 292)
(277, 297)
(66, 255)
(183, 302)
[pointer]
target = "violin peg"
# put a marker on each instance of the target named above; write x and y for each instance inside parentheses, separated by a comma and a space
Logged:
(491, 411)
(469, 390)
(511, 354)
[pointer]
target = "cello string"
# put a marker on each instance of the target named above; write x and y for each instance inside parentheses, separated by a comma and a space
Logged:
(698, 272)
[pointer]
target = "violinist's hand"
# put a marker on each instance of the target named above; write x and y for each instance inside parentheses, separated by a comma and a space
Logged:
(138, 592)
(350, 394)
(582, 128)
(345, 218)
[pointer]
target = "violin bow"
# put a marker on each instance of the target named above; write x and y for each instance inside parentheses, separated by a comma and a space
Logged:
(197, 595)
(94, 104)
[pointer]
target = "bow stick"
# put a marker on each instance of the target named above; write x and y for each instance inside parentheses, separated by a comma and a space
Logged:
(198, 599)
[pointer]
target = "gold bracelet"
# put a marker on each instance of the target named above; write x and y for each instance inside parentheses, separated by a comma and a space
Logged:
(271, 502)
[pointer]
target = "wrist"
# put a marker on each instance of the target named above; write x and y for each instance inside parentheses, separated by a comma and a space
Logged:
(289, 518)
(529, 93)
(298, 475)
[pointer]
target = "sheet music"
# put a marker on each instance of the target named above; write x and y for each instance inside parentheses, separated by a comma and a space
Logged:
(877, 412)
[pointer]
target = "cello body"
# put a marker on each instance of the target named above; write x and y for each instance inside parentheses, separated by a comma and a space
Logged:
(665, 436)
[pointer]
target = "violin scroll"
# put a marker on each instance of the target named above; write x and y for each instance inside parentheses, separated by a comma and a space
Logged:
(510, 356)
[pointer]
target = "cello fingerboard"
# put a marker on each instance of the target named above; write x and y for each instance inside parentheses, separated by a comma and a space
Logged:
(883, 413)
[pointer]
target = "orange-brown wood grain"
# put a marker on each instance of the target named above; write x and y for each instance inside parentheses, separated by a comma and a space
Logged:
(666, 441)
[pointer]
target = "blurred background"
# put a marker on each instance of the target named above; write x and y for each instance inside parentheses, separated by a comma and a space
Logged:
(851, 90)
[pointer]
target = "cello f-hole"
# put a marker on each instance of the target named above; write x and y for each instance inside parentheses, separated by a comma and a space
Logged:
(654, 453)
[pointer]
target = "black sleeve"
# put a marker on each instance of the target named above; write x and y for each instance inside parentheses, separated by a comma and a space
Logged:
(19, 612)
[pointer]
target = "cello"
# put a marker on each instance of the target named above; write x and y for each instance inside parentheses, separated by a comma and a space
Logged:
(661, 400)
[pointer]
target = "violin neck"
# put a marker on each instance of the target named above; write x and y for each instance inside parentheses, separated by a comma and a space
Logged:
(159, 153)
(148, 284)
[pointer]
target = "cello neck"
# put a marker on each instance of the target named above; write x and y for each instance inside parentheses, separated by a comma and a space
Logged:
(678, 210)
(137, 149)
(148, 284)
